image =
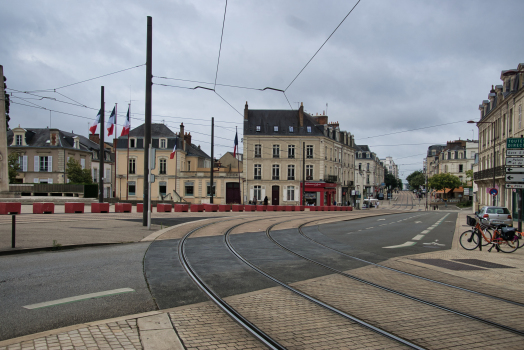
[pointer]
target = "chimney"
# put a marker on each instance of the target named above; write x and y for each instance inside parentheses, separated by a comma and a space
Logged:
(181, 134)
(54, 137)
(187, 138)
(95, 138)
(246, 109)
(301, 115)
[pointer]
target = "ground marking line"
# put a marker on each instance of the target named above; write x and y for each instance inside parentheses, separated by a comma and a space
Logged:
(78, 298)
(407, 244)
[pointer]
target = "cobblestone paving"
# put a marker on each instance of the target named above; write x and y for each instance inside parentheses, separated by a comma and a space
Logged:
(115, 335)
(424, 325)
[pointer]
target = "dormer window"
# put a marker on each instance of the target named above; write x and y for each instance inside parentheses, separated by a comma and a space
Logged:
(258, 128)
(308, 129)
(77, 144)
(290, 129)
(19, 140)
(275, 128)
(163, 143)
(132, 143)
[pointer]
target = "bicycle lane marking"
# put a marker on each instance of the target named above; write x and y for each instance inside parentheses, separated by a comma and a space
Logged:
(419, 236)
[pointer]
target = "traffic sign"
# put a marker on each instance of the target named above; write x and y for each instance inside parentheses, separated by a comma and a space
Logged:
(514, 152)
(514, 185)
(514, 177)
(515, 143)
(515, 161)
(516, 169)
(493, 192)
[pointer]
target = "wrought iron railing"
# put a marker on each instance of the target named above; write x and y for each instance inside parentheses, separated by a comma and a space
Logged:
(488, 173)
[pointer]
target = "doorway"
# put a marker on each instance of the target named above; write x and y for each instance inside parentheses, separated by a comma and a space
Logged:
(275, 195)
(233, 193)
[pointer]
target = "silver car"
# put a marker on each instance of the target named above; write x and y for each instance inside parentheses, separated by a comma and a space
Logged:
(496, 215)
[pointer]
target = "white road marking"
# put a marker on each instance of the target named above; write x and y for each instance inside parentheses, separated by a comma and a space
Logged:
(381, 219)
(418, 237)
(425, 231)
(78, 298)
(418, 222)
(407, 244)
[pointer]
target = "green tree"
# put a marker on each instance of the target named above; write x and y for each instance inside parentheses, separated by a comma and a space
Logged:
(400, 185)
(416, 179)
(442, 181)
(76, 174)
(390, 181)
(14, 166)
(469, 176)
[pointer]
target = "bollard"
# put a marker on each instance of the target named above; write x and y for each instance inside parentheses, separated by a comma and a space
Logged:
(13, 230)
(480, 240)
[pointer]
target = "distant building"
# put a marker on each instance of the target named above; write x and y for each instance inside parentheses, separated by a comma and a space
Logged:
(275, 144)
(369, 172)
(432, 159)
(390, 166)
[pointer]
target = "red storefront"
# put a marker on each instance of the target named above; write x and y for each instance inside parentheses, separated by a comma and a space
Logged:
(319, 193)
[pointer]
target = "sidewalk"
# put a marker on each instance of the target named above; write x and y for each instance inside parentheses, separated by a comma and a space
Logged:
(164, 329)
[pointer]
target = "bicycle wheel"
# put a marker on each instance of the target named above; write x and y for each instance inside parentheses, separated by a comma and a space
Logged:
(488, 235)
(469, 240)
(508, 246)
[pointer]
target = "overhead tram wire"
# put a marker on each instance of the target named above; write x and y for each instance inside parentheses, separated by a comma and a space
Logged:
(311, 59)
(220, 48)
(425, 127)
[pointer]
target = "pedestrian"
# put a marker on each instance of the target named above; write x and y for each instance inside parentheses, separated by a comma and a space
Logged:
(378, 204)
(265, 200)
(255, 200)
(335, 203)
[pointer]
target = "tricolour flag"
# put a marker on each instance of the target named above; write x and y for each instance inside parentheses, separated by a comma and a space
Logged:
(236, 145)
(110, 125)
(127, 124)
(172, 155)
(93, 126)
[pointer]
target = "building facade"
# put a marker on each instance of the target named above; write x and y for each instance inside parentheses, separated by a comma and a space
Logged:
(285, 148)
(500, 118)
(369, 172)
(457, 158)
(390, 166)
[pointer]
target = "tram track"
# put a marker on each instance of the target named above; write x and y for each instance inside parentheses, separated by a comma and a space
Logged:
(271, 343)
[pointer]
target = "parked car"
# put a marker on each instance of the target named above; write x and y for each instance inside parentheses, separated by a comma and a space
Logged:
(380, 196)
(495, 215)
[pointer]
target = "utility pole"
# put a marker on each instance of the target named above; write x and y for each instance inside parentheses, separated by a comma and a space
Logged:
(212, 158)
(147, 129)
(303, 173)
(101, 151)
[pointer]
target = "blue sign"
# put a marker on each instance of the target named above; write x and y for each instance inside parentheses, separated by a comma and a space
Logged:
(493, 192)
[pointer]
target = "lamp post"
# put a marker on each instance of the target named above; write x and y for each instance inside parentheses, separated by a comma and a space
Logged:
(494, 156)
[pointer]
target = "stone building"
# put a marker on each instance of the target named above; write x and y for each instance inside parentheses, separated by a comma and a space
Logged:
(369, 172)
(284, 148)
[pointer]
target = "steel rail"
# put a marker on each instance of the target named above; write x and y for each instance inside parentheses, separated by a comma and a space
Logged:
(314, 300)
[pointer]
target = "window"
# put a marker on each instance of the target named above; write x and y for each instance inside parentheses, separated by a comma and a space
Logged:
(163, 143)
(108, 175)
(276, 172)
(163, 166)
(510, 120)
(309, 172)
(308, 128)
(258, 128)
(131, 188)
(359, 166)
(44, 163)
(368, 155)
(291, 193)
(473, 155)
(95, 174)
(162, 188)
(209, 189)
(309, 151)
(367, 180)
(367, 166)
(461, 168)
(291, 172)
(275, 128)
(276, 151)
(257, 192)
(132, 166)
(258, 172)
(520, 117)
(290, 129)
(291, 151)
(19, 140)
(189, 166)
(258, 151)
(189, 187)
(132, 143)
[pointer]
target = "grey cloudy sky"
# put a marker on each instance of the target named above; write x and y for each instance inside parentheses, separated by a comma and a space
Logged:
(391, 66)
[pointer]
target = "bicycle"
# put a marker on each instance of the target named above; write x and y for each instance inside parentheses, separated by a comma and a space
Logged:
(504, 239)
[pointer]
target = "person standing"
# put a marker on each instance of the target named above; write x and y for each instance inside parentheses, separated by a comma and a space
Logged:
(265, 200)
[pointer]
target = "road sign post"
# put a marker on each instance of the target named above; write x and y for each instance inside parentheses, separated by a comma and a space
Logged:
(515, 171)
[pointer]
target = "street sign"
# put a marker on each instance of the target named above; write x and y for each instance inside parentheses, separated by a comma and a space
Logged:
(514, 185)
(516, 169)
(514, 152)
(493, 192)
(515, 161)
(515, 178)
(515, 143)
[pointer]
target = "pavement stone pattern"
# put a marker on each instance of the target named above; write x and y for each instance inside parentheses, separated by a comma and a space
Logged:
(115, 335)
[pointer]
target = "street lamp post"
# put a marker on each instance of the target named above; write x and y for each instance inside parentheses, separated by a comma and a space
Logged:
(494, 156)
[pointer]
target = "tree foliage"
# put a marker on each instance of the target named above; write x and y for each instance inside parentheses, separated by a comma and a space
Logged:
(400, 185)
(76, 174)
(14, 166)
(416, 179)
(443, 181)
(390, 181)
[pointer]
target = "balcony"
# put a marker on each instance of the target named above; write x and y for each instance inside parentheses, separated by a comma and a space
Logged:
(331, 178)
(488, 173)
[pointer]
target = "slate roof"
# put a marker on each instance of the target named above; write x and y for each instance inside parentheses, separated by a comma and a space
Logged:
(40, 138)
(157, 130)
(267, 119)
(193, 150)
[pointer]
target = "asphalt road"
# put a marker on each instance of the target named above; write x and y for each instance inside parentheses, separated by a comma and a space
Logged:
(27, 279)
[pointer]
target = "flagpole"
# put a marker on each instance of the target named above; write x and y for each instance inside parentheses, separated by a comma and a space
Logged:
(238, 165)
(127, 166)
(114, 147)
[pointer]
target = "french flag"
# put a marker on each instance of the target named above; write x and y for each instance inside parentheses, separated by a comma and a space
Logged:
(110, 125)
(172, 155)
(93, 126)
(127, 124)
(236, 145)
